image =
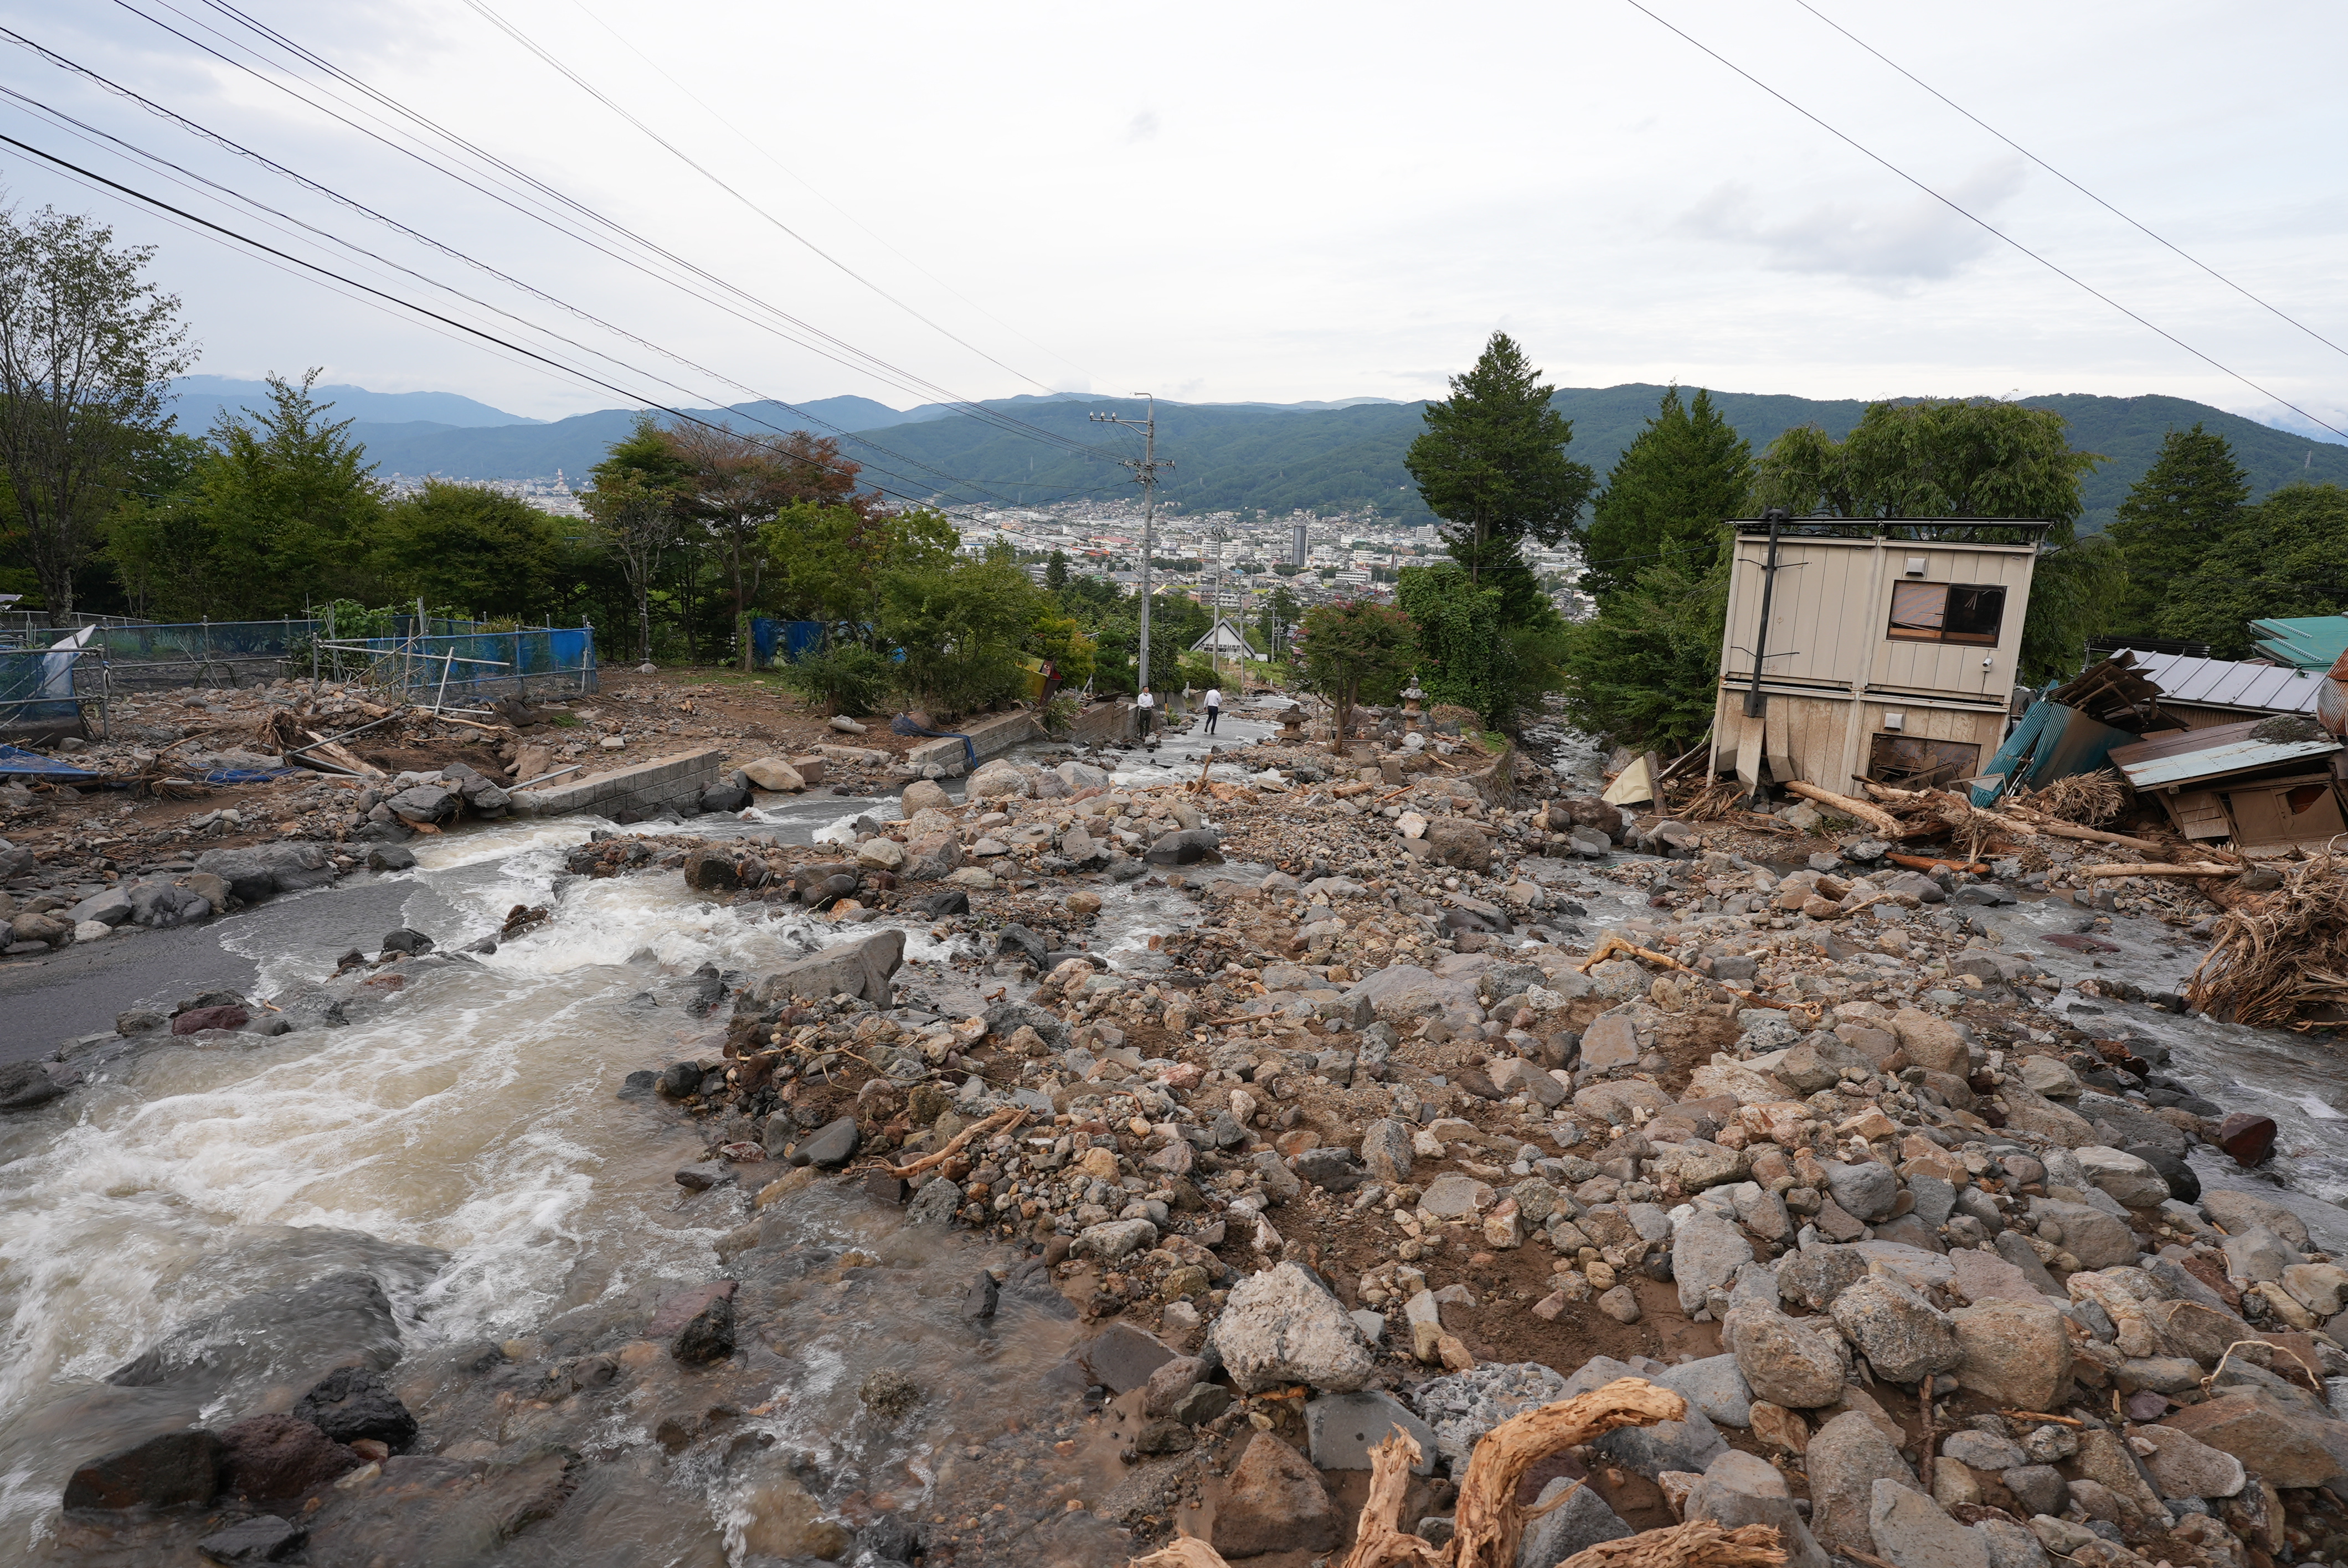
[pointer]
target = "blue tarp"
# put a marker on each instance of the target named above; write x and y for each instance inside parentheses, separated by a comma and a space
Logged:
(17, 763)
(795, 639)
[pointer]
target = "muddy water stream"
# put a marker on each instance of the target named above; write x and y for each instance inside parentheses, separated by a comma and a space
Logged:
(466, 1143)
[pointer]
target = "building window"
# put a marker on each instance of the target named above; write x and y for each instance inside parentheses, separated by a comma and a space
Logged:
(1906, 763)
(1945, 612)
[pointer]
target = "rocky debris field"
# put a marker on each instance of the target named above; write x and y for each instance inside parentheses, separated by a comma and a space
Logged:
(82, 863)
(1327, 1102)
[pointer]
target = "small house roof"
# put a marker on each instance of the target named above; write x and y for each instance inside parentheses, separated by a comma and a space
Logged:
(2230, 682)
(2310, 642)
(2195, 756)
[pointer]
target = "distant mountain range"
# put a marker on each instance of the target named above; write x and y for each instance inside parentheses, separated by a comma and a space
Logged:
(1321, 456)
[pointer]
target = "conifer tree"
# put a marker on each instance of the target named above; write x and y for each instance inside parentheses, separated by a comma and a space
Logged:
(2187, 501)
(1678, 481)
(1491, 464)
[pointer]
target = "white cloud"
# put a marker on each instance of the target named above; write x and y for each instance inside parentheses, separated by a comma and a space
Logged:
(1902, 240)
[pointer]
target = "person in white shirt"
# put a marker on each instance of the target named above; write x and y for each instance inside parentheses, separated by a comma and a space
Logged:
(1145, 712)
(1214, 707)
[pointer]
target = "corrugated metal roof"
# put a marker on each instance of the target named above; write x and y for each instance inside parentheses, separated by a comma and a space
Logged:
(2156, 763)
(2230, 683)
(2310, 642)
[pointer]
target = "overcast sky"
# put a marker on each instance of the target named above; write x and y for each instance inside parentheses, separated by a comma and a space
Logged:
(1217, 202)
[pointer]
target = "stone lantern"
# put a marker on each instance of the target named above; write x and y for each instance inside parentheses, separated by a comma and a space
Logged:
(1412, 715)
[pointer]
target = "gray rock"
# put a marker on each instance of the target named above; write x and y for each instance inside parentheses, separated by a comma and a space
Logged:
(2123, 1124)
(859, 968)
(257, 871)
(167, 1471)
(1983, 1450)
(1866, 1190)
(1282, 1327)
(1340, 1430)
(1577, 1524)
(2011, 1545)
(1687, 1444)
(1903, 1336)
(1814, 1277)
(2128, 1180)
(1463, 1405)
(1936, 1200)
(24, 1084)
(264, 1538)
(1846, 1457)
(1707, 1252)
(1115, 1239)
(936, 1203)
(1911, 1530)
(1386, 1149)
(2181, 1465)
(1738, 1489)
(2019, 1252)
(1786, 1362)
(2255, 1254)
(2239, 1211)
(2096, 1239)
(111, 908)
(2039, 1488)
(1714, 1386)
(829, 1146)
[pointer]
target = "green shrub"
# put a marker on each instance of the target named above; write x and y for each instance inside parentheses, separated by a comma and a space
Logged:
(841, 680)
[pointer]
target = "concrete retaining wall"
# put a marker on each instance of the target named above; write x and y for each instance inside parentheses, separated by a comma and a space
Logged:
(1102, 724)
(644, 788)
(990, 737)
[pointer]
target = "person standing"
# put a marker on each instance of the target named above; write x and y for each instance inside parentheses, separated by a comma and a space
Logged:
(1214, 707)
(1145, 708)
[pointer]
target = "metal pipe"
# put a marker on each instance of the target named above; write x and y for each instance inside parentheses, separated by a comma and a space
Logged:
(1755, 704)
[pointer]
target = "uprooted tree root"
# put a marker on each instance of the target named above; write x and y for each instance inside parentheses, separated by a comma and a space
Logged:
(1488, 1523)
(2278, 957)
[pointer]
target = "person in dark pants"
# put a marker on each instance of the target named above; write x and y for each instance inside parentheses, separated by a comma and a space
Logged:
(1145, 712)
(1214, 707)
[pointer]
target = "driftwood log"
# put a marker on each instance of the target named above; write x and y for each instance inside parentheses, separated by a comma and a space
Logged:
(1488, 1523)
(1874, 817)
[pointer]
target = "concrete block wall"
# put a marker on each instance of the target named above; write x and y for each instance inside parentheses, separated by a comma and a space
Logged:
(646, 787)
(989, 737)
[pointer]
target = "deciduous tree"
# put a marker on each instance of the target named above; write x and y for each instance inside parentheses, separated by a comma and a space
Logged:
(1964, 458)
(86, 347)
(634, 509)
(469, 547)
(1355, 652)
(2287, 556)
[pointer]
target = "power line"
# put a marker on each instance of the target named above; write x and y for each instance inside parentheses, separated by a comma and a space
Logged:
(751, 142)
(88, 132)
(1969, 217)
(584, 85)
(93, 178)
(2067, 179)
(872, 363)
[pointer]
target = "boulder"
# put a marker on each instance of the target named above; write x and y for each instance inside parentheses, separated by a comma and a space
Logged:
(1386, 1152)
(2182, 1466)
(1786, 1362)
(24, 1084)
(2098, 1240)
(1714, 1386)
(352, 1403)
(1458, 844)
(711, 871)
(158, 905)
(861, 967)
(1283, 1326)
(111, 908)
(1122, 1358)
(1580, 1522)
(924, 795)
(276, 1459)
(880, 854)
(1932, 1044)
(1340, 1430)
(1706, 1252)
(997, 780)
(1274, 1502)
(2237, 1212)
(1912, 1530)
(1815, 1278)
(1844, 1458)
(2286, 1448)
(1185, 847)
(263, 1538)
(1463, 1405)
(2015, 1353)
(165, 1471)
(1737, 1490)
(774, 773)
(1865, 1190)
(2132, 1183)
(1903, 1336)
(261, 869)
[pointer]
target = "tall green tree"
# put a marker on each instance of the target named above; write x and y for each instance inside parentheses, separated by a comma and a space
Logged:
(828, 560)
(1684, 475)
(2187, 501)
(1056, 571)
(469, 548)
(1491, 464)
(635, 513)
(2287, 556)
(1964, 458)
(735, 485)
(961, 628)
(86, 348)
(291, 503)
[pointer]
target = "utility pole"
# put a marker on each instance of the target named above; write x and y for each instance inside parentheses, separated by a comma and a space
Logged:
(1145, 469)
